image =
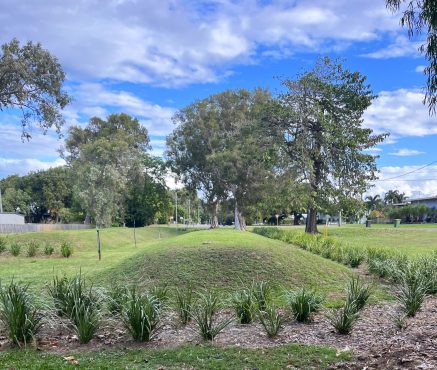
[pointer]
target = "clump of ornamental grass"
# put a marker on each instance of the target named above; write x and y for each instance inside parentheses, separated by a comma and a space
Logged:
(303, 303)
(244, 305)
(412, 289)
(85, 316)
(15, 249)
(261, 292)
(48, 250)
(184, 304)
(66, 249)
(32, 248)
(141, 315)
(357, 293)
(344, 319)
(271, 320)
(116, 298)
(20, 319)
(353, 257)
(58, 290)
(400, 321)
(205, 315)
(161, 293)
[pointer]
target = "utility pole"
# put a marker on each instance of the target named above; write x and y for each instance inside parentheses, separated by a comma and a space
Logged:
(1, 202)
(189, 211)
(177, 220)
(198, 218)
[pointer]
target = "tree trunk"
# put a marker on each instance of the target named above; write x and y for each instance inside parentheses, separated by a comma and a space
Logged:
(311, 224)
(213, 214)
(239, 220)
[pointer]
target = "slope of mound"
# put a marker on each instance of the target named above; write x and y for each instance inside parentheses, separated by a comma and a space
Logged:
(227, 259)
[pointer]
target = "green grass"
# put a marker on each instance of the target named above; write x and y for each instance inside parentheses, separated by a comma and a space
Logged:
(186, 357)
(228, 259)
(407, 239)
(116, 244)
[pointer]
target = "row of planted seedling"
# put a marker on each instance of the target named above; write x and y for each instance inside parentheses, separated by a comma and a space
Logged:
(33, 248)
(385, 263)
(141, 312)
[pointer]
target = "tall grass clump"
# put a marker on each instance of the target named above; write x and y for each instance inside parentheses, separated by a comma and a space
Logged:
(271, 320)
(116, 298)
(32, 248)
(354, 256)
(344, 319)
(261, 293)
(15, 249)
(357, 293)
(412, 289)
(66, 249)
(85, 317)
(205, 315)
(244, 305)
(161, 293)
(59, 290)
(184, 304)
(48, 250)
(3, 244)
(18, 316)
(303, 303)
(141, 315)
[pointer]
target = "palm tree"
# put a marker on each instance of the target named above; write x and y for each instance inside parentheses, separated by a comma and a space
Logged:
(393, 196)
(373, 202)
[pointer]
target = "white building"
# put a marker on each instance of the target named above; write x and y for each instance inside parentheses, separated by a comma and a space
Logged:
(9, 218)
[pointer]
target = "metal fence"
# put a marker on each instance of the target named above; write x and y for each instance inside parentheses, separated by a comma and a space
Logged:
(28, 228)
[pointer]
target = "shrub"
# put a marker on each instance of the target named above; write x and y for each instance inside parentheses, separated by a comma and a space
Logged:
(85, 317)
(48, 250)
(184, 305)
(66, 249)
(357, 293)
(412, 290)
(243, 303)
(141, 315)
(15, 249)
(3, 244)
(303, 303)
(117, 297)
(204, 314)
(18, 316)
(344, 318)
(261, 292)
(271, 320)
(32, 248)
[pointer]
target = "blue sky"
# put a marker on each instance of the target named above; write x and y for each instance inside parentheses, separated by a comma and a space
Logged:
(149, 58)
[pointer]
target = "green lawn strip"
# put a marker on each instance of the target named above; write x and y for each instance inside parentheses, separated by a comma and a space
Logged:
(185, 357)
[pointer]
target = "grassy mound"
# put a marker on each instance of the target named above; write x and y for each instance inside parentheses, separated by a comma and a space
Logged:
(228, 259)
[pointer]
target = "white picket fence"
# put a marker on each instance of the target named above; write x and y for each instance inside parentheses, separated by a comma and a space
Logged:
(28, 228)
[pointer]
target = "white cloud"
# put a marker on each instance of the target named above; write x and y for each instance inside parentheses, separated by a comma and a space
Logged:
(420, 69)
(401, 113)
(180, 42)
(421, 182)
(401, 47)
(406, 152)
(26, 165)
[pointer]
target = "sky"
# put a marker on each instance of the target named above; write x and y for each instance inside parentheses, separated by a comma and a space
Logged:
(151, 58)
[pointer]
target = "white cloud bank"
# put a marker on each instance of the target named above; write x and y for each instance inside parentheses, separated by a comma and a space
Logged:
(406, 152)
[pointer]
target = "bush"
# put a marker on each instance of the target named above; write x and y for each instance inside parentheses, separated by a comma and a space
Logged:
(243, 303)
(48, 250)
(261, 292)
(271, 320)
(15, 249)
(303, 303)
(357, 293)
(32, 248)
(204, 314)
(184, 305)
(141, 315)
(3, 244)
(18, 316)
(66, 249)
(412, 290)
(344, 318)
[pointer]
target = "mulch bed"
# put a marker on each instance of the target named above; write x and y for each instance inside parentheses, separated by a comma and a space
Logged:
(375, 341)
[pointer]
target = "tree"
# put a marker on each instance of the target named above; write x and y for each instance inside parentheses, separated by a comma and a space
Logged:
(394, 196)
(419, 15)
(373, 202)
(104, 156)
(16, 200)
(320, 117)
(31, 81)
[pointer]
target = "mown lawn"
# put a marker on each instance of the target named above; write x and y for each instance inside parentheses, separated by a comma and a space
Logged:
(407, 239)
(186, 357)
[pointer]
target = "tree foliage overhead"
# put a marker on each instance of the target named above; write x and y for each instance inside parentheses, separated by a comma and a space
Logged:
(31, 81)
(320, 117)
(418, 16)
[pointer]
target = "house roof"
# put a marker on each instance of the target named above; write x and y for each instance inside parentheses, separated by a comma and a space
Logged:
(424, 198)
